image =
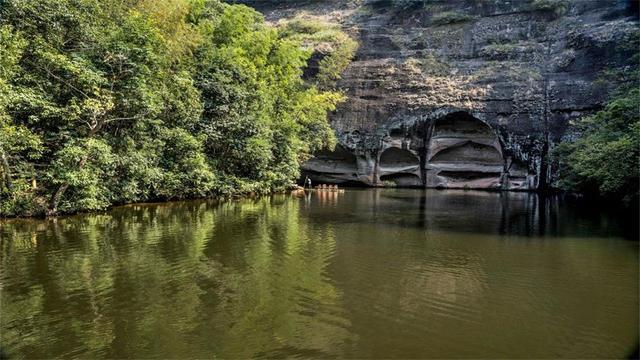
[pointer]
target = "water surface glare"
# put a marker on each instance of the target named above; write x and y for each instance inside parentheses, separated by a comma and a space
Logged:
(367, 273)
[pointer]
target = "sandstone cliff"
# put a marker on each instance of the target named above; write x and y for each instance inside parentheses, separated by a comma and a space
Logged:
(466, 93)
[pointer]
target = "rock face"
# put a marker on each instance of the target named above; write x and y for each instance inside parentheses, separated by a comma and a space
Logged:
(465, 93)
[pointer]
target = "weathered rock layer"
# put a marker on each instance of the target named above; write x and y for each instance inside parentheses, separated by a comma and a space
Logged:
(466, 93)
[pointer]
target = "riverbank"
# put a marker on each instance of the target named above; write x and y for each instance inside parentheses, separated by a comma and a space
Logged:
(249, 195)
(544, 201)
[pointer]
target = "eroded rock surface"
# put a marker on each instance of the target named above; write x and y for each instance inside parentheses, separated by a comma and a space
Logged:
(466, 93)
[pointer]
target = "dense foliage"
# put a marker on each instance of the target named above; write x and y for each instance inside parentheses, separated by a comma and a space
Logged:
(105, 102)
(605, 158)
(335, 48)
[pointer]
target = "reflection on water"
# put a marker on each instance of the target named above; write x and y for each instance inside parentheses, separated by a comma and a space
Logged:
(365, 273)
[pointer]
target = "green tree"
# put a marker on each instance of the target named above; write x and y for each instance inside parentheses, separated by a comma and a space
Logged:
(18, 144)
(107, 102)
(253, 93)
(604, 159)
(335, 48)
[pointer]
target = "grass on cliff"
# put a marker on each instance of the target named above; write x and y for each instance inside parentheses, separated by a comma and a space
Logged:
(557, 7)
(427, 65)
(450, 17)
(336, 47)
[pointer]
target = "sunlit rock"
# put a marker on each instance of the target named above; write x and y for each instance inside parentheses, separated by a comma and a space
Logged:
(466, 93)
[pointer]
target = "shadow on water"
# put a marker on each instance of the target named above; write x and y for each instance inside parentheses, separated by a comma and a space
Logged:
(503, 213)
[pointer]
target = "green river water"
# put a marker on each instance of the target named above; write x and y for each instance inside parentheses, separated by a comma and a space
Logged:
(384, 273)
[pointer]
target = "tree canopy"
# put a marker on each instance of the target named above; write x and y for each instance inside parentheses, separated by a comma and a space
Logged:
(604, 160)
(109, 102)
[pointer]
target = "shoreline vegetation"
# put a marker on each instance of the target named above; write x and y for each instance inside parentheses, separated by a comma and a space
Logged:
(105, 103)
(589, 199)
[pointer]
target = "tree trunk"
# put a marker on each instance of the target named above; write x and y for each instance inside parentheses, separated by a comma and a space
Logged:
(57, 196)
(6, 172)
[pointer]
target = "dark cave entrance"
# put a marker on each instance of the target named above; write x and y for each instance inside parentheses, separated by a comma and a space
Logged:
(339, 166)
(463, 152)
(454, 151)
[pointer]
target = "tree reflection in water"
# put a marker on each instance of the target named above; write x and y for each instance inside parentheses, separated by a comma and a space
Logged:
(365, 273)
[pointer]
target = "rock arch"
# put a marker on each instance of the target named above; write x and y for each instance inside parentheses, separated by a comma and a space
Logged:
(457, 150)
(468, 152)
(398, 159)
(400, 167)
(402, 180)
(461, 125)
(463, 151)
(339, 166)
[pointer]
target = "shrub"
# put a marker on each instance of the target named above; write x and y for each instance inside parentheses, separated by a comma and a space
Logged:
(389, 184)
(22, 200)
(604, 160)
(336, 46)
(557, 7)
(450, 17)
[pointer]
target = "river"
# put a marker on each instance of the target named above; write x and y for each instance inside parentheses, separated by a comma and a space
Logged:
(385, 273)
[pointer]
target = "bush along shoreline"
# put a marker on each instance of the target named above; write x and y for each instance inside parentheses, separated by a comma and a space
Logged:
(105, 103)
(603, 161)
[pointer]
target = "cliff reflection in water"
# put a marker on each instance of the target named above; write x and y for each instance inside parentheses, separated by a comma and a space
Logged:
(367, 273)
(503, 213)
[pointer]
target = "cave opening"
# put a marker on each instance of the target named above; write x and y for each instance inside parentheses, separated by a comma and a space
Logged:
(339, 166)
(463, 151)
(395, 158)
(468, 175)
(469, 152)
(461, 124)
(338, 161)
(402, 180)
